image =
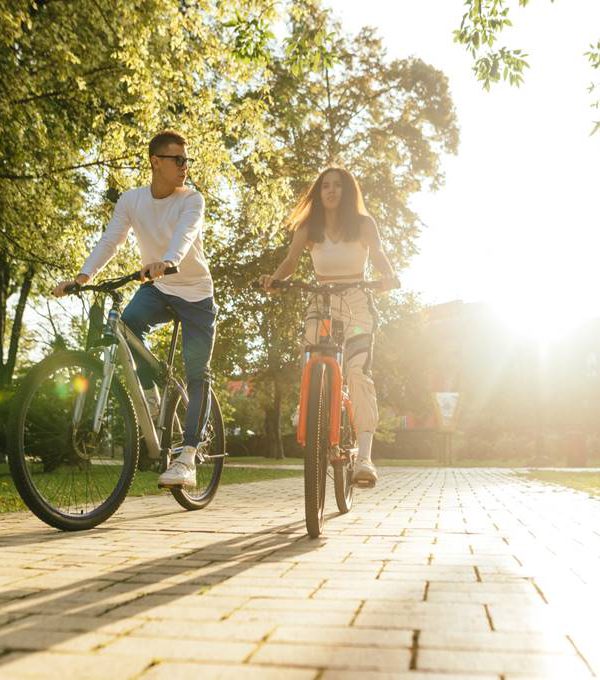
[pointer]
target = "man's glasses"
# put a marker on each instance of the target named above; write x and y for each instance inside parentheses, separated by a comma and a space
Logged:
(180, 161)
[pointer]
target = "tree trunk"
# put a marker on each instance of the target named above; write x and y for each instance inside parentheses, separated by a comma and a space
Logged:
(4, 279)
(273, 426)
(7, 369)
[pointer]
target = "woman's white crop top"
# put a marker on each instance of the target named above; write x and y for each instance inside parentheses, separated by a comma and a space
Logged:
(339, 258)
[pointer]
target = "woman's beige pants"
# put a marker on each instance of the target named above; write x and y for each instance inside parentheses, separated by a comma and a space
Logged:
(354, 310)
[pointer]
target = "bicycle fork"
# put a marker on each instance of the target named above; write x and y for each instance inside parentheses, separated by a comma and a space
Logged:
(107, 376)
(108, 370)
(335, 410)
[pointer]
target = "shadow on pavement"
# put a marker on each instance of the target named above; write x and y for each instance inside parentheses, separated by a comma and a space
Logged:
(48, 534)
(29, 620)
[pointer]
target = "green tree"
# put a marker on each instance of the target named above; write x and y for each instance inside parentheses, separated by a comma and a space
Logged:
(480, 29)
(86, 90)
(85, 87)
(332, 99)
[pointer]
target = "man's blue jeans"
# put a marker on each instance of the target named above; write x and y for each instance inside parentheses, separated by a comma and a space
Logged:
(149, 307)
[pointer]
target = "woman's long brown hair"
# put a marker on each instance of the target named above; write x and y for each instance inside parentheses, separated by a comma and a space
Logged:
(310, 212)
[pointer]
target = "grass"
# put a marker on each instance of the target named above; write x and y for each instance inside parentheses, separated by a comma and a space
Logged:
(388, 462)
(144, 483)
(581, 481)
(10, 500)
(394, 462)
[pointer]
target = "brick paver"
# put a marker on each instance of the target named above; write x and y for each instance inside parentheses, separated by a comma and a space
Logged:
(436, 573)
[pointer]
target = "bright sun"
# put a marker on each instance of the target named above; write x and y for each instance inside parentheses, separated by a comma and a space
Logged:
(541, 313)
(543, 286)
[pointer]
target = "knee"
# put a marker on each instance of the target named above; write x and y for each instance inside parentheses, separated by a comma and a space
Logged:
(135, 321)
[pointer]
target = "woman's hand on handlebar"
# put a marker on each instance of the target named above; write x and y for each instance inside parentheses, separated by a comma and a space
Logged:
(63, 287)
(266, 281)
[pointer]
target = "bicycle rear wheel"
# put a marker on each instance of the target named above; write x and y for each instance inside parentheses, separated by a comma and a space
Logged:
(208, 470)
(69, 476)
(343, 470)
(316, 451)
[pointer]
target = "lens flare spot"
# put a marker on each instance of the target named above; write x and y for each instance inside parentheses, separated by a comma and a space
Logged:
(61, 389)
(80, 384)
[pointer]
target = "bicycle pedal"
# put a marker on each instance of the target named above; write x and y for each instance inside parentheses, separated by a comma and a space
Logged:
(364, 483)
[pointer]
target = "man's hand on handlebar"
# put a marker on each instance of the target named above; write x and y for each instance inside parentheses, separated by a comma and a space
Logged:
(79, 283)
(153, 271)
(62, 288)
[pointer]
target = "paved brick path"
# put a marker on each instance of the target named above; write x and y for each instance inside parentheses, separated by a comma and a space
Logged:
(435, 574)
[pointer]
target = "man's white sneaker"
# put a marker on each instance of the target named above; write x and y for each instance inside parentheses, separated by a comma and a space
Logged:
(178, 474)
(364, 473)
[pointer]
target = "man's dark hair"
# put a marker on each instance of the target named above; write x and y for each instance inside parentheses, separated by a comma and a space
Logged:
(162, 139)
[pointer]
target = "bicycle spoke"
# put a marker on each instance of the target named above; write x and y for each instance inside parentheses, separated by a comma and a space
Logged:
(73, 470)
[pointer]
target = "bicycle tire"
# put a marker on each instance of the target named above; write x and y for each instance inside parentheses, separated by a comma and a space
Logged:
(208, 474)
(32, 462)
(342, 471)
(315, 452)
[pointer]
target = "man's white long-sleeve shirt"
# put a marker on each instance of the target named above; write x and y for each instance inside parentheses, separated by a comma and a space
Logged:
(166, 229)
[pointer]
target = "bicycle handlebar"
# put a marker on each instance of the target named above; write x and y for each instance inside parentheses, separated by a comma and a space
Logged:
(112, 284)
(327, 287)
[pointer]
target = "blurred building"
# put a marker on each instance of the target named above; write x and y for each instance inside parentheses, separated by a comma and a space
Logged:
(510, 385)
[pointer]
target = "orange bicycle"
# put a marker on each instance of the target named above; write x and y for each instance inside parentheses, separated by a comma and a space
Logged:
(325, 419)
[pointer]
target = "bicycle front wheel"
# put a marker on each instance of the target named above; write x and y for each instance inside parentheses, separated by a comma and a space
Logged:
(343, 470)
(316, 450)
(70, 476)
(209, 460)
(342, 481)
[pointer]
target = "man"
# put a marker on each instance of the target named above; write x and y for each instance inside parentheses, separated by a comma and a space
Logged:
(166, 218)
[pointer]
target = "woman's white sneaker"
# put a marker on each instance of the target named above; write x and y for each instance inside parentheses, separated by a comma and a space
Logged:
(178, 474)
(364, 472)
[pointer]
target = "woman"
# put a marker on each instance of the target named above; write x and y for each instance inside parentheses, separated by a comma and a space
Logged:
(331, 221)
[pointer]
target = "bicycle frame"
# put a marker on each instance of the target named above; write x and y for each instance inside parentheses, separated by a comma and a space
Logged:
(121, 339)
(326, 349)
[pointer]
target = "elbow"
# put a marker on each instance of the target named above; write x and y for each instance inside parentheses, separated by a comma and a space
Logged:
(289, 265)
(378, 258)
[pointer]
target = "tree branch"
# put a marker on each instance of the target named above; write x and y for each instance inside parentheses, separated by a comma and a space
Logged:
(106, 21)
(55, 93)
(32, 259)
(106, 163)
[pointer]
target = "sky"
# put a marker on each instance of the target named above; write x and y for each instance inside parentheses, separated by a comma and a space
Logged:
(517, 223)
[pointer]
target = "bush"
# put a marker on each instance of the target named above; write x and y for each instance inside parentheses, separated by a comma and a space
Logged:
(237, 445)
(472, 447)
(408, 444)
(254, 445)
